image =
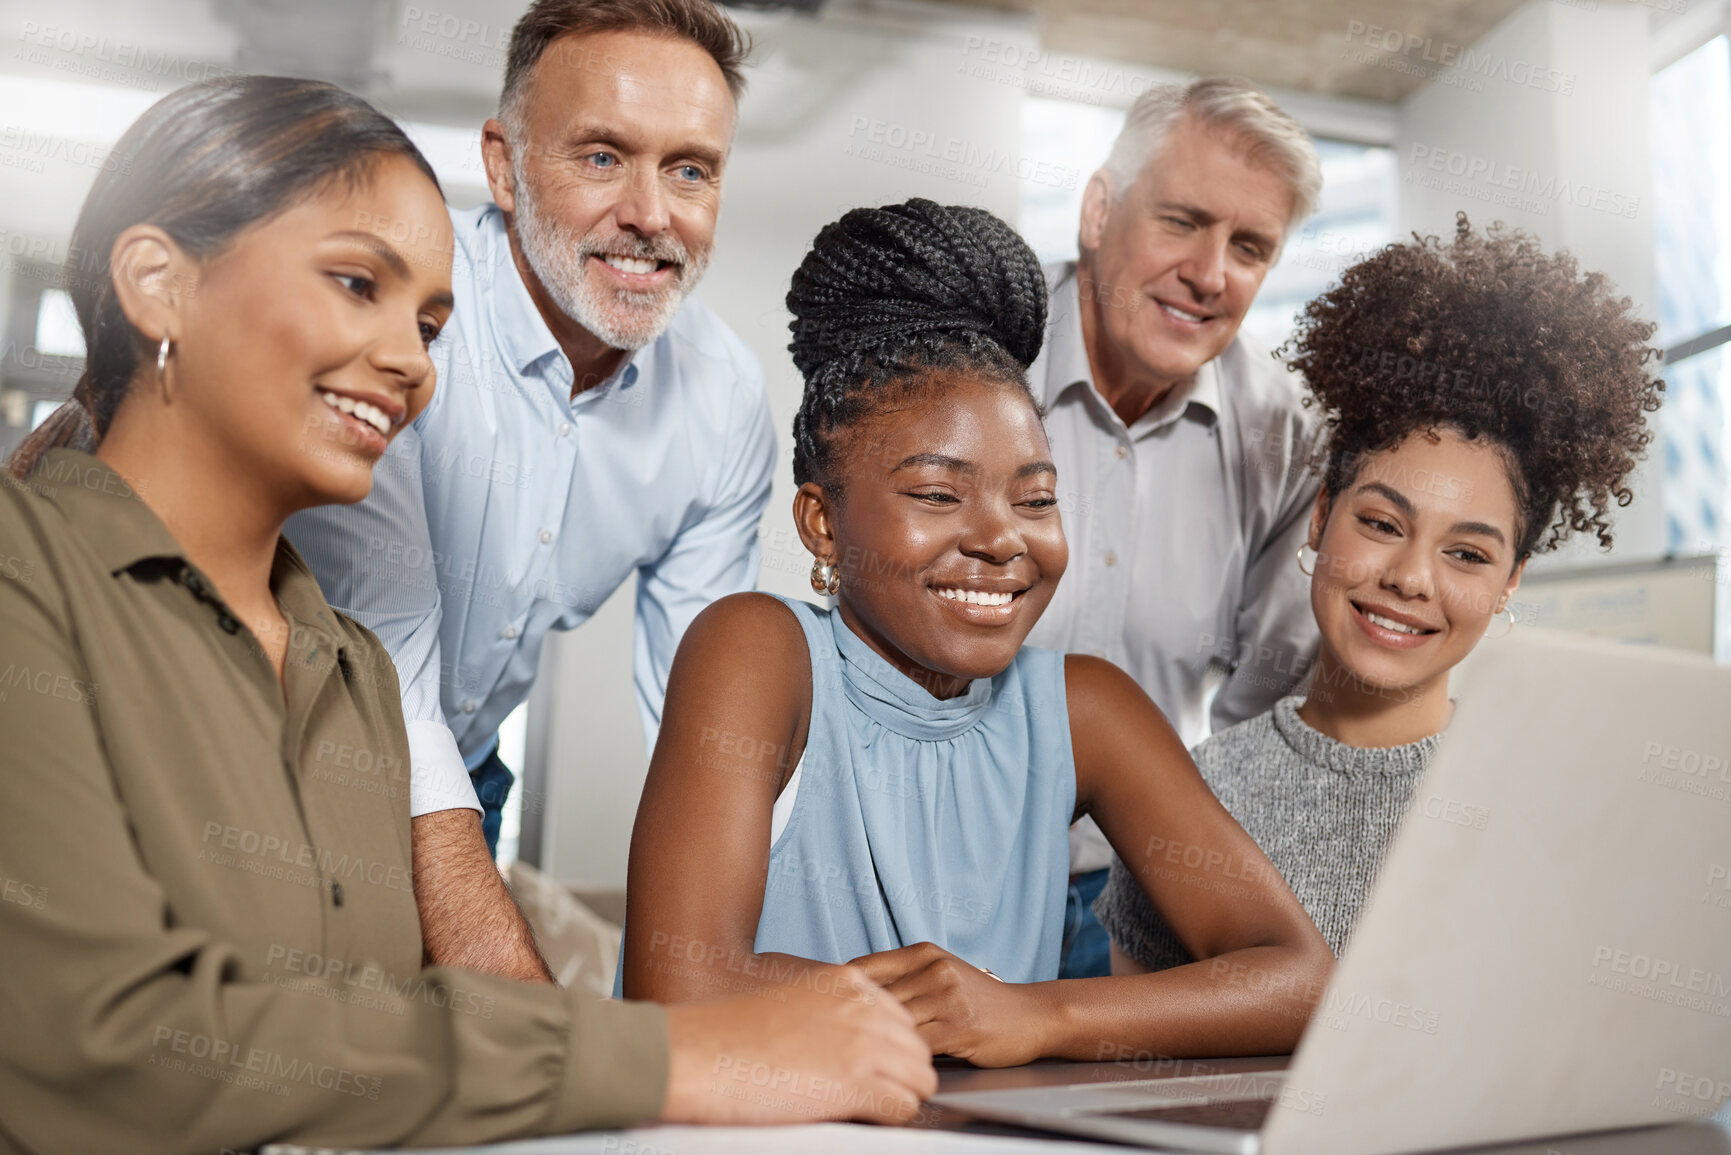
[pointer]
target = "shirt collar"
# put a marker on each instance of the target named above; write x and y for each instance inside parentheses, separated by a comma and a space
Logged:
(97, 501)
(1067, 367)
(523, 332)
(1066, 355)
(123, 531)
(298, 592)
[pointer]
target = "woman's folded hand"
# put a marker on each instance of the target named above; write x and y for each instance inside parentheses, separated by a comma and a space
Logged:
(963, 1010)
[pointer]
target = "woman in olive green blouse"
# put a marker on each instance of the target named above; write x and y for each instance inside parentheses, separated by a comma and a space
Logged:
(207, 911)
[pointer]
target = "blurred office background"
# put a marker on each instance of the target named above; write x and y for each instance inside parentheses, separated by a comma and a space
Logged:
(1604, 126)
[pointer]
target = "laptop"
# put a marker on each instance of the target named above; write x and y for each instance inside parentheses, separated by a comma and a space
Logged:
(1547, 949)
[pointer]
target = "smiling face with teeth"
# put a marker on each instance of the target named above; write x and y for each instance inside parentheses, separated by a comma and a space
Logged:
(1170, 265)
(303, 349)
(610, 171)
(944, 524)
(1414, 557)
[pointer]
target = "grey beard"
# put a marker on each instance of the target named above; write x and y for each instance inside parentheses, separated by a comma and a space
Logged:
(560, 259)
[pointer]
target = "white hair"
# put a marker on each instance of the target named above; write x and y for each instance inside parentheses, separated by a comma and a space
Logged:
(1237, 110)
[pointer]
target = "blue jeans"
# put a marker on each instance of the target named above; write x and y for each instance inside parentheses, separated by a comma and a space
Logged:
(492, 782)
(1087, 947)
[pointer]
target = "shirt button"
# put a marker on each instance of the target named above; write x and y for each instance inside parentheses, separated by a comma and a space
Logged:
(469, 705)
(564, 429)
(509, 632)
(1122, 452)
(546, 536)
(1110, 558)
(336, 893)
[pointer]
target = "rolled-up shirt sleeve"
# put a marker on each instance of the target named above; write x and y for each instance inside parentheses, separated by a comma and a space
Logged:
(716, 555)
(124, 1029)
(375, 563)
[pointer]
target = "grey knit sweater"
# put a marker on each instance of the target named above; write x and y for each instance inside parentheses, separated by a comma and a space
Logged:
(1324, 813)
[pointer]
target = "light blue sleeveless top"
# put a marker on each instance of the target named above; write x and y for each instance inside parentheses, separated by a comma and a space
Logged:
(922, 820)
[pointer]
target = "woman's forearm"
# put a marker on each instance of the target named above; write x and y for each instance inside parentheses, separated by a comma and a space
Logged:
(1254, 1001)
(680, 968)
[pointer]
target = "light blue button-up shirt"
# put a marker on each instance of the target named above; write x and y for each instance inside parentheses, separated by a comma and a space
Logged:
(508, 509)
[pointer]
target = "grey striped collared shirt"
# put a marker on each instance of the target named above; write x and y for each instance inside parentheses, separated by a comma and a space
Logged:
(1184, 529)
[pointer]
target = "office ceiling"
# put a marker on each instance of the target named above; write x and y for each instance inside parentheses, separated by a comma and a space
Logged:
(334, 40)
(1318, 46)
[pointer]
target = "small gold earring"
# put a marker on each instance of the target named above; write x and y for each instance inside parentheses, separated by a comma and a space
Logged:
(162, 355)
(825, 578)
(1311, 572)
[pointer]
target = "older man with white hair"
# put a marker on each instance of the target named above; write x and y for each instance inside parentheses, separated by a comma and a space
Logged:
(1182, 446)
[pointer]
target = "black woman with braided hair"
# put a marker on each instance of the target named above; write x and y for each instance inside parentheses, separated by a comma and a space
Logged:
(217, 943)
(890, 781)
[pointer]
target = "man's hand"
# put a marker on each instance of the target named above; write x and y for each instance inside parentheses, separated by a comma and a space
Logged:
(829, 1046)
(962, 1010)
(468, 918)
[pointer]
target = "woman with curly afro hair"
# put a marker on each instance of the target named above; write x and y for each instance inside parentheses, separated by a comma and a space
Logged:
(890, 779)
(1484, 400)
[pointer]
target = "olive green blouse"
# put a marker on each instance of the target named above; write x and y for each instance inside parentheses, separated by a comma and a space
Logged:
(208, 933)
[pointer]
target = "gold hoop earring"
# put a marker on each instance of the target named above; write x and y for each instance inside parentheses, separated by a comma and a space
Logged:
(1498, 614)
(825, 578)
(1311, 572)
(162, 355)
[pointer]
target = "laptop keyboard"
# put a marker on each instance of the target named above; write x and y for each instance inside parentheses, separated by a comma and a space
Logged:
(1240, 1114)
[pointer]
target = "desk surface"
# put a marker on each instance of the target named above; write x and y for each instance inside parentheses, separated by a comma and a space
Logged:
(945, 1131)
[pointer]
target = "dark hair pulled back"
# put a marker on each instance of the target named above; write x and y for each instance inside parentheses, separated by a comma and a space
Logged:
(203, 164)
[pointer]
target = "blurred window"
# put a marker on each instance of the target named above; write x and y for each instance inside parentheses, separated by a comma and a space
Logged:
(1690, 116)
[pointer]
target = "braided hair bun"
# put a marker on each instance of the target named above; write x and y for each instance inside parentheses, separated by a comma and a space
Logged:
(888, 296)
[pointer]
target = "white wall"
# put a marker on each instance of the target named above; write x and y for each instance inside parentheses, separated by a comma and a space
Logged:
(1555, 97)
(856, 108)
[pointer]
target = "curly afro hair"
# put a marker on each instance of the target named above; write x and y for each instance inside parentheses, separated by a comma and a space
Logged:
(889, 296)
(1492, 338)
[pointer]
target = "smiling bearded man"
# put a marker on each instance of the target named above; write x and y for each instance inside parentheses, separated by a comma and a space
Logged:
(591, 423)
(1182, 447)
